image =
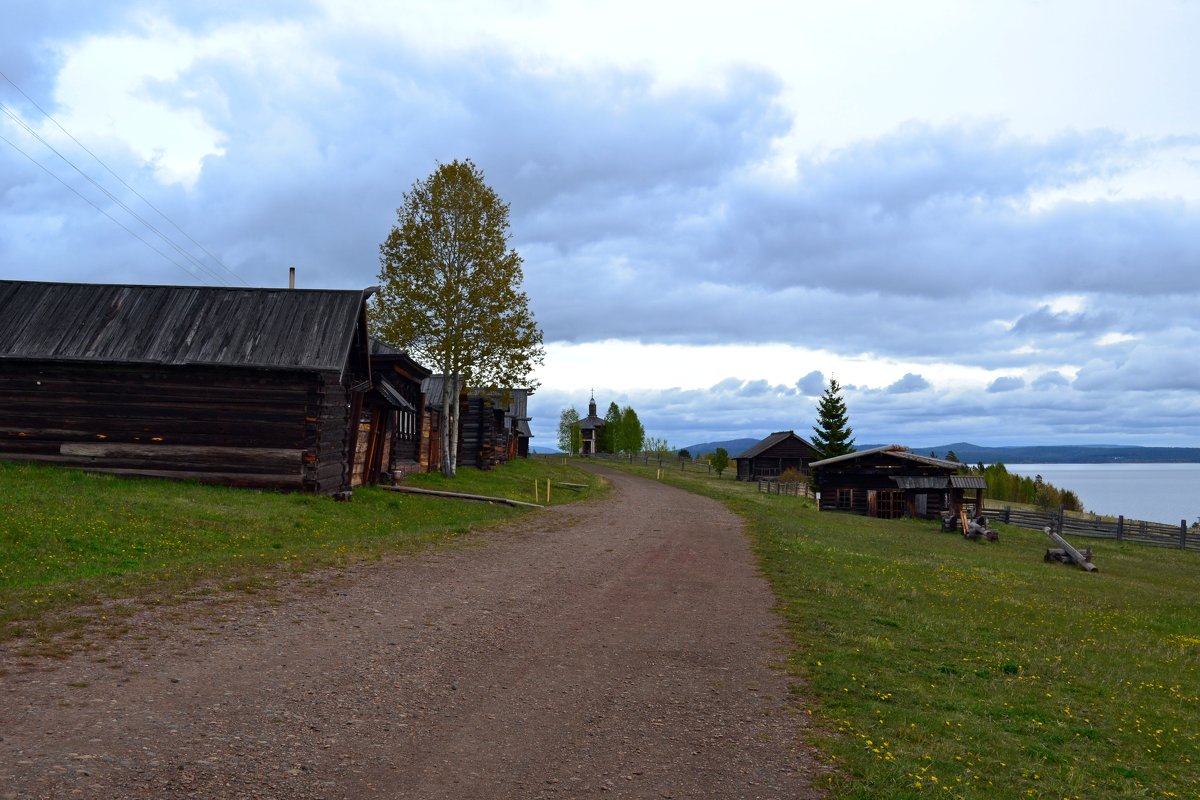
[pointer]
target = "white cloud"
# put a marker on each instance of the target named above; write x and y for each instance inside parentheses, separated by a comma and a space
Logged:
(877, 194)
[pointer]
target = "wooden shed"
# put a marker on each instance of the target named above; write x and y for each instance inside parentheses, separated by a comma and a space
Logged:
(516, 423)
(891, 482)
(392, 415)
(248, 387)
(770, 457)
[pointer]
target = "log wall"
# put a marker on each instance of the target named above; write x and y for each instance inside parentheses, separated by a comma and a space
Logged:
(238, 426)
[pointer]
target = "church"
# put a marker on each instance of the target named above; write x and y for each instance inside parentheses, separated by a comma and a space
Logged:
(590, 428)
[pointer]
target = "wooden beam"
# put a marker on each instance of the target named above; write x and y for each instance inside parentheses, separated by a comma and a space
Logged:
(1076, 556)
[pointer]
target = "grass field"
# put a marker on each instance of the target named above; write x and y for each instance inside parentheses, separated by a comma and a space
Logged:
(940, 667)
(69, 539)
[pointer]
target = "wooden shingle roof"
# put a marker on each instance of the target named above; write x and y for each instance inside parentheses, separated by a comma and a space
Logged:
(771, 441)
(176, 325)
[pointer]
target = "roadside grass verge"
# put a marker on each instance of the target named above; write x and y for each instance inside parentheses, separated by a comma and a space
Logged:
(940, 667)
(71, 539)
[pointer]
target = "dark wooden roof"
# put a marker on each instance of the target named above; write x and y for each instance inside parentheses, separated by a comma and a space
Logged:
(176, 325)
(895, 452)
(776, 439)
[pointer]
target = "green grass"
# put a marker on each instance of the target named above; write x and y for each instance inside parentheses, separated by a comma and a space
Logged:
(939, 667)
(69, 539)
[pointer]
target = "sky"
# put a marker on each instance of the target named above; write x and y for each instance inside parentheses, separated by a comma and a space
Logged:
(981, 218)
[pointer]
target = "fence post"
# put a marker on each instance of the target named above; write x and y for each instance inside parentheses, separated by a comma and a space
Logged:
(1120, 527)
(1061, 514)
(1182, 534)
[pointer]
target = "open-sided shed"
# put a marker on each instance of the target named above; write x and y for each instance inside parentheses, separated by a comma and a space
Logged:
(770, 457)
(891, 482)
(249, 387)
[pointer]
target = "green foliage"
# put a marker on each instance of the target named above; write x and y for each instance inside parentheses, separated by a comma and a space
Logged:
(1004, 486)
(570, 440)
(684, 455)
(632, 434)
(70, 538)
(450, 289)
(610, 434)
(719, 460)
(653, 445)
(832, 433)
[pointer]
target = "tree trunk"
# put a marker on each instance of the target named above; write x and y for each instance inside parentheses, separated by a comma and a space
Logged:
(449, 435)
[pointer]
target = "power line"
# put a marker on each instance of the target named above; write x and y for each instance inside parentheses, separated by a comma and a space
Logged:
(188, 256)
(139, 195)
(42, 167)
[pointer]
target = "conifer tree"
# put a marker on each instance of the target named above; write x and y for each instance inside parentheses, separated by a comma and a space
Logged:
(832, 433)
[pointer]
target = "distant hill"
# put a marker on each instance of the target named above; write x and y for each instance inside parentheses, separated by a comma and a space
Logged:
(1064, 454)
(545, 451)
(732, 446)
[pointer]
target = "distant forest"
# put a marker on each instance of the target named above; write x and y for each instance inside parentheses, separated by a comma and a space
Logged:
(1065, 454)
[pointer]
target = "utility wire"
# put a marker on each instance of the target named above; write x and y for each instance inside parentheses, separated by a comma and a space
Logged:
(139, 195)
(43, 168)
(188, 256)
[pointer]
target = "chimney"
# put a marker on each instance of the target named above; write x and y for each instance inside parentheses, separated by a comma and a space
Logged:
(291, 277)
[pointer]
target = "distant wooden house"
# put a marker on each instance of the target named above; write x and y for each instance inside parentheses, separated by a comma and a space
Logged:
(516, 423)
(393, 413)
(770, 457)
(493, 425)
(249, 387)
(891, 482)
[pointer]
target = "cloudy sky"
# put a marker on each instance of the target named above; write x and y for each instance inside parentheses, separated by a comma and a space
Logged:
(983, 218)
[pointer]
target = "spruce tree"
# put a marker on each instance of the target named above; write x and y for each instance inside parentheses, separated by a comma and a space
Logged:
(831, 434)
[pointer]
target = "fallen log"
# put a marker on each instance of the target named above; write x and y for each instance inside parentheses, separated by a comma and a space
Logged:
(1084, 562)
(459, 496)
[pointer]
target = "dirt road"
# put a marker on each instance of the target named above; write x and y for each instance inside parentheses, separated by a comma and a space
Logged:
(619, 648)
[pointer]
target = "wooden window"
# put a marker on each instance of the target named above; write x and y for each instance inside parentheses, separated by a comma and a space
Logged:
(889, 504)
(845, 499)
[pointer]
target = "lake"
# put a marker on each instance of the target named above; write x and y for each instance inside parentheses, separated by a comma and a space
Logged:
(1153, 492)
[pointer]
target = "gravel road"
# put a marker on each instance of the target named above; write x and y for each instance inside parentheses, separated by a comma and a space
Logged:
(616, 648)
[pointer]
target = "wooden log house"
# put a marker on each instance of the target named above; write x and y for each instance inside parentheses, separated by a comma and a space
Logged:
(248, 387)
(770, 457)
(890, 482)
(396, 407)
(493, 425)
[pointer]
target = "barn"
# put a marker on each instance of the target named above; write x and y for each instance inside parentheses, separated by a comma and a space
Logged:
(770, 457)
(892, 482)
(247, 387)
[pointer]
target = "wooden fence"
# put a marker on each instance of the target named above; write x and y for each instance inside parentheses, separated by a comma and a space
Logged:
(1128, 530)
(788, 488)
(652, 461)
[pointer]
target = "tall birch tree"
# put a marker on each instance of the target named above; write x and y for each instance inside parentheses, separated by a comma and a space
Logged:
(450, 292)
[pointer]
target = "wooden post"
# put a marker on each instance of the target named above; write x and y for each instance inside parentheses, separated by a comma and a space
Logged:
(1007, 514)
(1120, 527)
(1182, 534)
(537, 495)
(1061, 512)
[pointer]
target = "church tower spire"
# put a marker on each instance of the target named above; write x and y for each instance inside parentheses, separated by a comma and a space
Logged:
(592, 404)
